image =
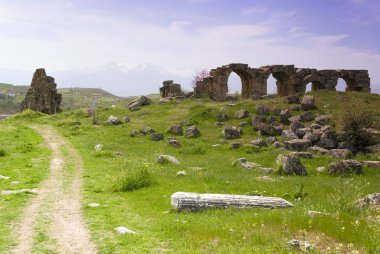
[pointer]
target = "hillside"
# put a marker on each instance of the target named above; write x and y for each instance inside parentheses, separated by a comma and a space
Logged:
(73, 98)
(134, 191)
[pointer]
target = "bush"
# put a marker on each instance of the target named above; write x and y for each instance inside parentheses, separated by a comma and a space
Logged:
(2, 152)
(133, 181)
(351, 124)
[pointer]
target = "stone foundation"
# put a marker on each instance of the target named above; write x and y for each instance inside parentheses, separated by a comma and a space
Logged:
(170, 89)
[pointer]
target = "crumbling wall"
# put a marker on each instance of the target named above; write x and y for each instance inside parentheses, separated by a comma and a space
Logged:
(42, 95)
(289, 80)
(170, 89)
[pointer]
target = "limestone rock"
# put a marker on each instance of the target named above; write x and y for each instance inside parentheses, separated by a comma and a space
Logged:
(297, 144)
(137, 104)
(304, 155)
(371, 164)
(327, 143)
(245, 163)
(345, 167)
(176, 130)
(156, 136)
(232, 132)
(126, 119)
(146, 130)
(318, 149)
(276, 111)
(312, 137)
(174, 142)
(303, 246)
(341, 153)
(323, 119)
(292, 99)
(113, 120)
(42, 95)
(296, 125)
(302, 131)
(308, 116)
(219, 124)
(262, 109)
(171, 90)
(259, 142)
(371, 200)
(373, 149)
(284, 116)
(135, 133)
(265, 129)
(235, 145)
(258, 119)
(308, 102)
(242, 113)
(192, 132)
(288, 135)
(290, 165)
(167, 158)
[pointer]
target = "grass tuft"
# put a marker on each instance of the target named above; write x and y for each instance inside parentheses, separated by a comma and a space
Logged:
(139, 179)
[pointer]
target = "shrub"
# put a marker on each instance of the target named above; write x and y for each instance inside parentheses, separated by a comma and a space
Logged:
(2, 152)
(351, 124)
(133, 181)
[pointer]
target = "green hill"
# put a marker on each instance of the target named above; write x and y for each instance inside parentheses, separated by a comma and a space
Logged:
(134, 191)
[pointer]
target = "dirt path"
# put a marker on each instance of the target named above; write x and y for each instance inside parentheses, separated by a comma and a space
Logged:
(58, 203)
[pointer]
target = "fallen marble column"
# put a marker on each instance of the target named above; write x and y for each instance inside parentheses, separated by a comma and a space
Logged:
(195, 202)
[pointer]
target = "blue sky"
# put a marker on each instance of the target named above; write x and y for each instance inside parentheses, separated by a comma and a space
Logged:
(130, 47)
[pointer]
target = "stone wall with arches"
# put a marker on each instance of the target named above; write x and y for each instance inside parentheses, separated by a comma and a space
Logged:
(289, 80)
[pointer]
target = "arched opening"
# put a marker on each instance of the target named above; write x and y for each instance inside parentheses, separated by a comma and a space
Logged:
(308, 87)
(341, 85)
(234, 84)
(271, 85)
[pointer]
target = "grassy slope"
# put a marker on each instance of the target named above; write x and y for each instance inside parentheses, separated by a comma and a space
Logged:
(147, 211)
(26, 161)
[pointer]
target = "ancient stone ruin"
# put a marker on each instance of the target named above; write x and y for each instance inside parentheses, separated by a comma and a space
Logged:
(42, 95)
(289, 80)
(170, 89)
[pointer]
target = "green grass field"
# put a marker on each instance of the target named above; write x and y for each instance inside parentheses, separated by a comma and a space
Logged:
(147, 210)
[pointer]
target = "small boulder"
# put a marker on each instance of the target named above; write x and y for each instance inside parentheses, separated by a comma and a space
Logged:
(345, 167)
(156, 136)
(262, 109)
(113, 120)
(323, 119)
(295, 108)
(135, 133)
(167, 159)
(373, 149)
(304, 155)
(146, 130)
(265, 129)
(137, 104)
(297, 144)
(371, 201)
(284, 116)
(288, 135)
(245, 163)
(126, 119)
(308, 116)
(176, 130)
(292, 99)
(258, 119)
(302, 131)
(317, 149)
(231, 132)
(302, 246)
(312, 137)
(290, 165)
(341, 153)
(219, 124)
(371, 164)
(234, 146)
(259, 142)
(192, 132)
(174, 142)
(242, 113)
(295, 119)
(327, 143)
(276, 111)
(308, 102)
(294, 126)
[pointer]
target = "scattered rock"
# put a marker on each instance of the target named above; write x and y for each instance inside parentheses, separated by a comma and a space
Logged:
(216, 145)
(303, 246)
(245, 163)
(321, 169)
(98, 147)
(327, 143)
(93, 205)
(266, 179)
(242, 113)
(232, 132)
(258, 119)
(295, 119)
(346, 145)
(290, 165)
(113, 120)
(15, 182)
(277, 111)
(341, 153)
(174, 142)
(295, 125)
(156, 136)
(137, 104)
(265, 129)
(297, 144)
(288, 135)
(219, 124)
(235, 145)
(271, 140)
(259, 142)
(373, 149)
(124, 230)
(323, 119)
(345, 167)
(278, 144)
(284, 116)
(368, 164)
(222, 117)
(135, 133)
(146, 130)
(4, 177)
(295, 108)
(308, 116)
(371, 200)
(167, 158)
(192, 132)
(292, 99)
(181, 173)
(318, 149)
(308, 102)
(262, 109)
(176, 130)
(302, 131)
(126, 119)
(265, 170)
(312, 137)
(304, 155)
